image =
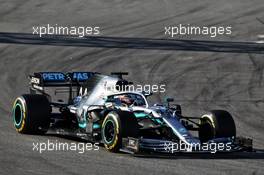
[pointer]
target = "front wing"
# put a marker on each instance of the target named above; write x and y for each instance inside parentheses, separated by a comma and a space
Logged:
(144, 145)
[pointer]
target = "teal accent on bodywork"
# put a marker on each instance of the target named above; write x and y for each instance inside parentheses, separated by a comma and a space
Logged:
(144, 115)
(95, 125)
(82, 125)
(159, 121)
(141, 115)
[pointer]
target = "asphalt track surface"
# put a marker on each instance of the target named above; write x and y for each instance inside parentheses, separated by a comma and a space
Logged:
(206, 73)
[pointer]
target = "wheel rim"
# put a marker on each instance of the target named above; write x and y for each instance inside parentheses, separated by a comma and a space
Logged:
(109, 131)
(206, 131)
(18, 114)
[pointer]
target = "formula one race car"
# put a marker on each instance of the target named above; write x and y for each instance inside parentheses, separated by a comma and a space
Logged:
(96, 109)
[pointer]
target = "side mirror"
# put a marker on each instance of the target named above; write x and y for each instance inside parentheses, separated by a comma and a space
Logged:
(168, 100)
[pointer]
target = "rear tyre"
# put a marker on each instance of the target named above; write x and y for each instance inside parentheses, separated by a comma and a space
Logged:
(216, 124)
(116, 125)
(31, 114)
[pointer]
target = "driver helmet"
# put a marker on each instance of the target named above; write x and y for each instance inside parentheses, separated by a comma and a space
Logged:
(126, 99)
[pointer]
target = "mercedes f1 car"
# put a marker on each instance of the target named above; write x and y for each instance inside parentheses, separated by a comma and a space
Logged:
(121, 120)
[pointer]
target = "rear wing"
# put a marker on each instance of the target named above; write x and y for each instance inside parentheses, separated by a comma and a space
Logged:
(40, 80)
(57, 79)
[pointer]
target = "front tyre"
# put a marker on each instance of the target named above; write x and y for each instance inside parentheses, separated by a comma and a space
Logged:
(216, 124)
(116, 125)
(31, 114)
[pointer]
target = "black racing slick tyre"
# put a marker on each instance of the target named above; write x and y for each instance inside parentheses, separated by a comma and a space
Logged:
(31, 114)
(216, 124)
(117, 125)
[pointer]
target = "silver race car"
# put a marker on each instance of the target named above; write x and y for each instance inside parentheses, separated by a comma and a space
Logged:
(92, 106)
